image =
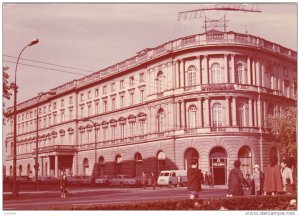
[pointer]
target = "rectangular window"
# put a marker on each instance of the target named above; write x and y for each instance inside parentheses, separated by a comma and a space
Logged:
(131, 99)
(81, 97)
(45, 109)
(113, 104)
(104, 106)
(62, 116)
(70, 113)
(104, 90)
(96, 108)
(49, 120)
(54, 105)
(122, 131)
(142, 77)
(142, 96)
(62, 103)
(142, 127)
(96, 92)
(70, 100)
(89, 95)
(89, 110)
(121, 84)
(45, 121)
(285, 72)
(113, 133)
(81, 111)
(122, 101)
(113, 87)
(131, 81)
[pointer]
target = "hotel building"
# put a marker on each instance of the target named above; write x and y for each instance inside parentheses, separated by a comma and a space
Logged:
(204, 97)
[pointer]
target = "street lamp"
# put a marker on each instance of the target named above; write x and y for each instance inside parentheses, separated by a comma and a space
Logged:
(94, 125)
(36, 166)
(15, 189)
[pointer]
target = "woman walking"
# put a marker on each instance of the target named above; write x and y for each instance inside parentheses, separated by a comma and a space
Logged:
(194, 180)
(257, 181)
(63, 186)
(273, 180)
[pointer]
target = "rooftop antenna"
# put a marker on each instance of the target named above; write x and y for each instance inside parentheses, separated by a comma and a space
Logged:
(222, 21)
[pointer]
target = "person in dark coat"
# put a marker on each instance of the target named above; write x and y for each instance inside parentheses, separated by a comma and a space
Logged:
(194, 180)
(273, 180)
(206, 180)
(63, 186)
(235, 181)
(144, 180)
(257, 181)
(210, 180)
(153, 180)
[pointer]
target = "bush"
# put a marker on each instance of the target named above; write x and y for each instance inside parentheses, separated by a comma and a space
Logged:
(233, 203)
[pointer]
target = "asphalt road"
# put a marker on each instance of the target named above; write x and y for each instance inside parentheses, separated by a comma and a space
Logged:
(83, 196)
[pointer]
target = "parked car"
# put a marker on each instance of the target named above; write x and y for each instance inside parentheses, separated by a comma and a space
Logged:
(123, 180)
(170, 178)
(79, 180)
(48, 180)
(103, 180)
(23, 179)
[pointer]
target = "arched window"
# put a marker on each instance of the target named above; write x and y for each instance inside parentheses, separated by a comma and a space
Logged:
(191, 75)
(85, 166)
(20, 170)
(240, 74)
(159, 82)
(217, 115)
(245, 157)
(118, 164)
(241, 115)
(161, 120)
(192, 116)
(216, 73)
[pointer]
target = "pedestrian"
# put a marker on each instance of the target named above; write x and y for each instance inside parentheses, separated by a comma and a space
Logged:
(153, 181)
(210, 180)
(273, 179)
(194, 180)
(287, 178)
(178, 181)
(206, 180)
(63, 186)
(257, 181)
(144, 180)
(235, 181)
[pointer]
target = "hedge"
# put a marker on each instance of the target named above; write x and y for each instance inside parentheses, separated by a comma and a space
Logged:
(233, 203)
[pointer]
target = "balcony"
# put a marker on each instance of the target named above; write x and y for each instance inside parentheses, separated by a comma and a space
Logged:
(57, 148)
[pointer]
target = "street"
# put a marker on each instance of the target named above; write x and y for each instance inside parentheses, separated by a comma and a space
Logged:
(82, 196)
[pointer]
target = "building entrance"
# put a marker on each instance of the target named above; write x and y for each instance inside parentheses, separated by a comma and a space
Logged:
(218, 165)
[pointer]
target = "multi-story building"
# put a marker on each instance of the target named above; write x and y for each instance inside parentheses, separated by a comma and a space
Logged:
(204, 97)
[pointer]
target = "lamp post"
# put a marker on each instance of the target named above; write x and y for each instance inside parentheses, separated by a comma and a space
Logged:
(36, 166)
(15, 190)
(94, 125)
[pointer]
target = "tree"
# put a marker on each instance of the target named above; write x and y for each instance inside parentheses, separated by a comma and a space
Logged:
(283, 128)
(6, 89)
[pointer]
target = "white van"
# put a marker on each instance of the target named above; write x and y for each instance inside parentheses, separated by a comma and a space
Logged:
(170, 178)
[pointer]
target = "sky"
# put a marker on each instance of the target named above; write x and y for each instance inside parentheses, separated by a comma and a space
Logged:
(93, 36)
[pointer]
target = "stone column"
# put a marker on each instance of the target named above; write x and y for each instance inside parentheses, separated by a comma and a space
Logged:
(255, 112)
(183, 73)
(263, 75)
(48, 166)
(178, 124)
(226, 68)
(206, 68)
(174, 74)
(232, 69)
(200, 124)
(234, 123)
(265, 114)
(207, 113)
(253, 72)
(249, 70)
(178, 75)
(259, 114)
(258, 73)
(183, 115)
(56, 174)
(227, 111)
(200, 70)
(250, 113)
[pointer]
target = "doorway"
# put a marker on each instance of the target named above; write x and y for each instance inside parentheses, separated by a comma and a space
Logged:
(218, 165)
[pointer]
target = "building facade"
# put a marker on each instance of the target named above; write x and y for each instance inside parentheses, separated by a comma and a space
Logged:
(204, 97)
